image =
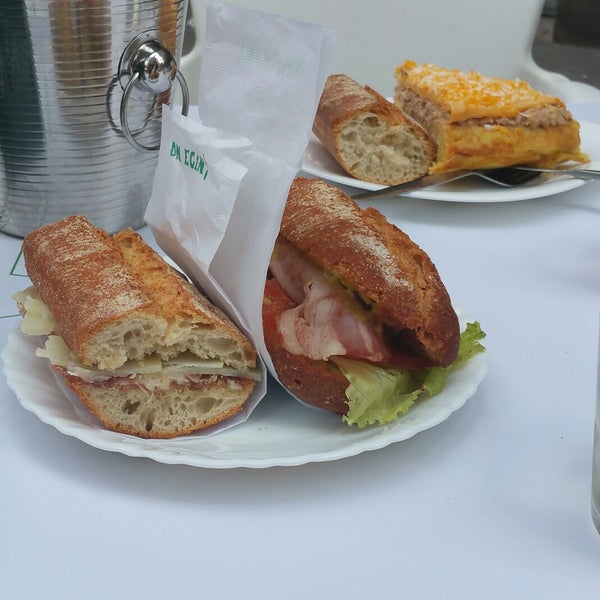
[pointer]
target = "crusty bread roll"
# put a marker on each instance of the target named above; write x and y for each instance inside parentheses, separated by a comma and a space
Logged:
(370, 138)
(141, 346)
(346, 282)
(166, 412)
(484, 122)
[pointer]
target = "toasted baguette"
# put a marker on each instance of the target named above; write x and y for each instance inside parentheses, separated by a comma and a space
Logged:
(120, 309)
(165, 412)
(393, 282)
(115, 299)
(376, 260)
(370, 138)
(484, 122)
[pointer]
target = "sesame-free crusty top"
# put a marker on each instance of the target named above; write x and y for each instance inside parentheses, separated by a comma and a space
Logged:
(115, 299)
(370, 137)
(375, 259)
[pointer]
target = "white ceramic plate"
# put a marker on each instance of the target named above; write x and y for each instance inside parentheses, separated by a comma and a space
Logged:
(280, 431)
(318, 162)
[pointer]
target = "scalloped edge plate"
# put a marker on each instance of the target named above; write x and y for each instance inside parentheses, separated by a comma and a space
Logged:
(319, 163)
(280, 432)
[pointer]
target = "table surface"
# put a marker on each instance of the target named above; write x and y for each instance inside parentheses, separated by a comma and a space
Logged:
(492, 503)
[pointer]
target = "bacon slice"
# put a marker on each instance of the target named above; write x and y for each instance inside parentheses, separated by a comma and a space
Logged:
(327, 320)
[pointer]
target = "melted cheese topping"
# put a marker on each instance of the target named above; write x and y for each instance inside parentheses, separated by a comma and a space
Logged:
(471, 95)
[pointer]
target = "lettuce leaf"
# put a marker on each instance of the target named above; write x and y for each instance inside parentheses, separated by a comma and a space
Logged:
(378, 395)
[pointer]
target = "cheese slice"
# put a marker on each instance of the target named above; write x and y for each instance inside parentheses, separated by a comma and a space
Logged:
(37, 318)
(39, 321)
(59, 354)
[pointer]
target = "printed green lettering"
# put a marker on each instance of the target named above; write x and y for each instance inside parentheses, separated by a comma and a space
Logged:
(191, 159)
(175, 151)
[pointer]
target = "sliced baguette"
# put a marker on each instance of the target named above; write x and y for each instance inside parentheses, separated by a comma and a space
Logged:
(139, 345)
(387, 282)
(114, 299)
(371, 138)
(376, 260)
(176, 409)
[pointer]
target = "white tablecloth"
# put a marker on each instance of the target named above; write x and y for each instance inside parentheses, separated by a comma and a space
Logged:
(491, 504)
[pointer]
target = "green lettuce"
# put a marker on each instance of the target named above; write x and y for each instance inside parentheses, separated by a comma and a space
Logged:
(378, 395)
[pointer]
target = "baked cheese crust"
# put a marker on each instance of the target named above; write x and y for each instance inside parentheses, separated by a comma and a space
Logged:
(486, 122)
(470, 95)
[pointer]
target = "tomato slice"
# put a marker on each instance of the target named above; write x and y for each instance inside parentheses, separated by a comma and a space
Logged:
(275, 302)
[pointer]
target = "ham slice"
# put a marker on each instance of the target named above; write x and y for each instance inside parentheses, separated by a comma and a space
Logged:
(327, 320)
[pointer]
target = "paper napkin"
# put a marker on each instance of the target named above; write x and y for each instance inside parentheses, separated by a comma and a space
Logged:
(223, 175)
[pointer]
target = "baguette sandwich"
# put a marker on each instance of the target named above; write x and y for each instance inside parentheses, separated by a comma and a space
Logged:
(371, 138)
(483, 122)
(141, 347)
(356, 318)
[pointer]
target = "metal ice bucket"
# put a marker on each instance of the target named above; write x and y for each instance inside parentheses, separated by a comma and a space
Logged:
(82, 83)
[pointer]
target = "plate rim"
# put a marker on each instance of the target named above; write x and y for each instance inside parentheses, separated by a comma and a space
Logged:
(181, 450)
(486, 195)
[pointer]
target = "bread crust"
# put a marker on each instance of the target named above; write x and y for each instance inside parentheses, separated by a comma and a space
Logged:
(369, 136)
(115, 299)
(317, 382)
(79, 274)
(381, 263)
(126, 407)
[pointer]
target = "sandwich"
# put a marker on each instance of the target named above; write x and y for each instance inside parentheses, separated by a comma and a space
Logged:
(142, 348)
(482, 122)
(357, 320)
(371, 138)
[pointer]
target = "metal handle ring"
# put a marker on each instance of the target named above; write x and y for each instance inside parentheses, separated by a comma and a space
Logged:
(135, 77)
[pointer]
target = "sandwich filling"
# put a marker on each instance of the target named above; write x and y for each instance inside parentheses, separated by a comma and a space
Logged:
(150, 372)
(465, 95)
(312, 315)
(329, 319)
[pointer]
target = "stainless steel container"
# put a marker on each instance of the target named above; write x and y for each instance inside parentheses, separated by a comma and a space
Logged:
(81, 88)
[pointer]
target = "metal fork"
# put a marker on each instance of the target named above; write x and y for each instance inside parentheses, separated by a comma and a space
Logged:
(578, 172)
(504, 177)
